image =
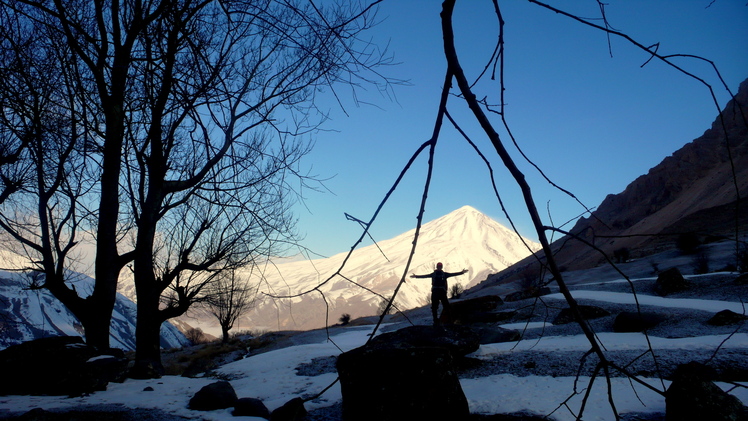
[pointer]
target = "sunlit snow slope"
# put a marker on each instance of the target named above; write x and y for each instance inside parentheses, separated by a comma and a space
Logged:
(31, 314)
(463, 239)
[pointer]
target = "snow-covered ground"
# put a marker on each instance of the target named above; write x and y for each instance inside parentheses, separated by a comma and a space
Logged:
(273, 378)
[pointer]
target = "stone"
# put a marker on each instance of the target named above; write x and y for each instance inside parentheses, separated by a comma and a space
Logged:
(251, 407)
(632, 321)
(459, 340)
(469, 310)
(671, 281)
(565, 316)
(218, 395)
(400, 384)
(61, 365)
(726, 317)
(292, 410)
(489, 334)
(692, 396)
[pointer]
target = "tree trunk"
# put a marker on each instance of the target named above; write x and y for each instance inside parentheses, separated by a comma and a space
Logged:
(147, 335)
(148, 328)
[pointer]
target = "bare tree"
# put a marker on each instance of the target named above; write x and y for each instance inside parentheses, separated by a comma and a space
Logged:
(193, 117)
(229, 297)
(43, 164)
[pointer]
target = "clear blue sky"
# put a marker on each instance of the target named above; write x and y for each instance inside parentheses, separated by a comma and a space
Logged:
(592, 122)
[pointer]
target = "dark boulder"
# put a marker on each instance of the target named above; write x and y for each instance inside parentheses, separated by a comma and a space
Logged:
(459, 340)
(632, 321)
(218, 395)
(671, 281)
(489, 334)
(292, 410)
(400, 384)
(565, 316)
(727, 317)
(473, 310)
(62, 365)
(692, 396)
(251, 407)
(485, 317)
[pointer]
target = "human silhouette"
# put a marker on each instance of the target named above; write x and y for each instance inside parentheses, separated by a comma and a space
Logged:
(439, 289)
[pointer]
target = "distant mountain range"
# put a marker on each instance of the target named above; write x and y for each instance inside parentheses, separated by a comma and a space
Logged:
(700, 189)
(31, 314)
(463, 239)
(695, 190)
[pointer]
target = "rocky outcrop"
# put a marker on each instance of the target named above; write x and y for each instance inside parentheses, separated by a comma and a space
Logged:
(692, 181)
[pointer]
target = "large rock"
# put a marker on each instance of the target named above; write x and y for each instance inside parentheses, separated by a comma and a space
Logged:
(727, 317)
(671, 281)
(459, 340)
(490, 334)
(251, 407)
(632, 321)
(692, 396)
(62, 365)
(565, 316)
(292, 410)
(400, 384)
(475, 310)
(218, 395)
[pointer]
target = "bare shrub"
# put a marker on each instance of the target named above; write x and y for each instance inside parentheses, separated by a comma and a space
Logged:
(700, 263)
(196, 336)
(456, 290)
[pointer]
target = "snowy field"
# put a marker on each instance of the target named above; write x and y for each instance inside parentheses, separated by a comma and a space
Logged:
(273, 378)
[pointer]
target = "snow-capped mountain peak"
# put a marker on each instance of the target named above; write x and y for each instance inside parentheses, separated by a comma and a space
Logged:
(462, 239)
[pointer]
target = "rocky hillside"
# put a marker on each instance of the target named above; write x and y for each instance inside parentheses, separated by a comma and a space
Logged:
(695, 190)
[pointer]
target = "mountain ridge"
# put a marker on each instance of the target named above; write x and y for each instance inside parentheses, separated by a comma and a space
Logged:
(31, 314)
(464, 238)
(700, 188)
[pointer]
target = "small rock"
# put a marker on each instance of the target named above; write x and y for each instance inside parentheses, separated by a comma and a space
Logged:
(632, 321)
(218, 395)
(292, 410)
(251, 407)
(671, 281)
(726, 317)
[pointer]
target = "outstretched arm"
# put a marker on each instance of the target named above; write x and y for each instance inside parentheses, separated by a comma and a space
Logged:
(420, 276)
(464, 271)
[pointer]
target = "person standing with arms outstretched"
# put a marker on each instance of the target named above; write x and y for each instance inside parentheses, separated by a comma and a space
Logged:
(439, 289)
